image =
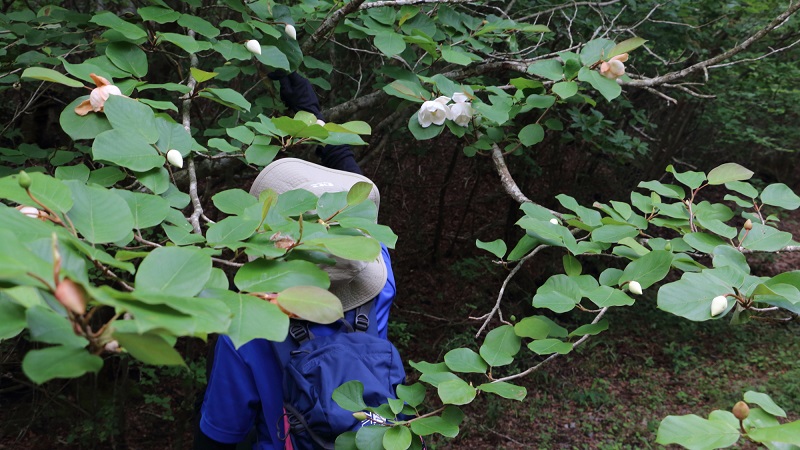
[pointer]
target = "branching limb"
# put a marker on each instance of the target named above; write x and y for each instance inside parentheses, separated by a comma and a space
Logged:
(194, 219)
(396, 3)
(566, 5)
(329, 24)
(509, 185)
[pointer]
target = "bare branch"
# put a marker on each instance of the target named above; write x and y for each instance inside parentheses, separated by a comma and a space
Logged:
(772, 52)
(703, 65)
(395, 3)
(565, 6)
(329, 24)
(194, 219)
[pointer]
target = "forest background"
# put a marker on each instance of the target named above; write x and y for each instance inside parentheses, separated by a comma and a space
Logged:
(442, 189)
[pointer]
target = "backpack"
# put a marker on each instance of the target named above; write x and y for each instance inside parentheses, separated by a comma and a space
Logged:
(314, 366)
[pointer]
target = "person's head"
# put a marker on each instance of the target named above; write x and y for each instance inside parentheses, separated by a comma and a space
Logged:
(353, 282)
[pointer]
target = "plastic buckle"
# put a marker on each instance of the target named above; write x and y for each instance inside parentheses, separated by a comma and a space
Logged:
(298, 332)
(362, 322)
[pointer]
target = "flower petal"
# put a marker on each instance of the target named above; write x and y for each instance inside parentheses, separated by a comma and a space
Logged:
(83, 108)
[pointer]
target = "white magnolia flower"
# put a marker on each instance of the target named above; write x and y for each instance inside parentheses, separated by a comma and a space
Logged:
(175, 158)
(614, 68)
(460, 97)
(291, 31)
(253, 46)
(461, 113)
(29, 211)
(98, 96)
(554, 221)
(635, 288)
(434, 112)
(718, 305)
(320, 122)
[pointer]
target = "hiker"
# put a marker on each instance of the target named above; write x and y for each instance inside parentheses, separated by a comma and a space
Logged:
(245, 386)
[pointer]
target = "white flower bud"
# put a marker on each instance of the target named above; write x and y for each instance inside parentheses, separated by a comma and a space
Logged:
(320, 122)
(635, 288)
(29, 211)
(253, 46)
(175, 158)
(112, 347)
(554, 221)
(291, 31)
(434, 112)
(718, 305)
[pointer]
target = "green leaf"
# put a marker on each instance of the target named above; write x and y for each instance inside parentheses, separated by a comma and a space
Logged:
(148, 210)
(667, 190)
(186, 43)
(231, 231)
(565, 89)
(350, 396)
(45, 325)
(505, 390)
(550, 346)
(59, 362)
(591, 329)
(613, 233)
(407, 90)
(532, 327)
(704, 242)
(691, 296)
(359, 192)
(359, 248)
(605, 296)
(780, 195)
(496, 247)
(572, 267)
(649, 269)
(150, 348)
(540, 101)
(626, 46)
(273, 57)
(743, 188)
(691, 179)
(227, 97)
(765, 402)
(128, 57)
(82, 127)
(531, 134)
(178, 271)
(390, 43)
(728, 172)
(45, 74)
(414, 394)
(430, 425)
(370, 437)
(596, 50)
(451, 55)
(129, 115)
(608, 88)
(48, 190)
(456, 392)
(158, 14)
(548, 68)
(788, 433)
(201, 75)
(112, 21)
(694, 432)
(100, 215)
(500, 346)
(198, 24)
(559, 293)
(12, 318)
(465, 360)
(233, 201)
(311, 303)
(397, 438)
(422, 134)
(126, 149)
(765, 238)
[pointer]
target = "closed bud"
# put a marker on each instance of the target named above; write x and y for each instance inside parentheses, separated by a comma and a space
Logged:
(29, 211)
(741, 410)
(71, 295)
(668, 246)
(112, 347)
(320, 122)
(554, 221)
(175, 158)
(253, 46)
(360, 415)
(718, 305)
(635, 288)
(291, 31)
(24, 180)
(748, 224)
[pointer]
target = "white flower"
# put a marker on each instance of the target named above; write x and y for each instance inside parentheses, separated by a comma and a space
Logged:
(320, 122)
(434, 112)
(175, 158)
(291, 31)
(635, 288)
(253, 46)
(461, 113)
(100, 94)
(614, 68)
(718, 305)
(460, 97)
(554, 221)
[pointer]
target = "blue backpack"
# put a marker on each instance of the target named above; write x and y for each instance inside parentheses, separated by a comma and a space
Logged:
(314, 366)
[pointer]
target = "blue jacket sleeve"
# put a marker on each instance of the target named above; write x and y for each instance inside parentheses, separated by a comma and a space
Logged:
(232, 400)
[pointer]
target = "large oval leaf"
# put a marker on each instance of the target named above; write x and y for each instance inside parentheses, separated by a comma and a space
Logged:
(100, 215)
(59, 362)
(174, 270)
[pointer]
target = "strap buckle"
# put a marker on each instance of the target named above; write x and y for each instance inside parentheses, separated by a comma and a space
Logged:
(299, 332)
(362, 322)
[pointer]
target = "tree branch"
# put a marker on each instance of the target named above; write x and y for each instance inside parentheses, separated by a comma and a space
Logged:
(394, 3)
(329, 24)
(565, 6)
(191, 83)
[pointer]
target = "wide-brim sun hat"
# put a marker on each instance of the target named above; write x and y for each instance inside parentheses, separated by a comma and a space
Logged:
(353, 282)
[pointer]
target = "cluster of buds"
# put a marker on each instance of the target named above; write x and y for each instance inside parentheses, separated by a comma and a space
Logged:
(254, 47)
(435, 112)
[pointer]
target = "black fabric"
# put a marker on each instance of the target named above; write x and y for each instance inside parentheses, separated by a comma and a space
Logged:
(203, 442)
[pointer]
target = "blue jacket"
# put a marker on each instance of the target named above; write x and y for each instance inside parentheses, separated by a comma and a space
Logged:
(245, 385)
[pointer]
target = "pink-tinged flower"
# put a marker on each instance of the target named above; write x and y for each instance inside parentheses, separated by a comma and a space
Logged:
(614, 68)
(98, 96)
(434, 112)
